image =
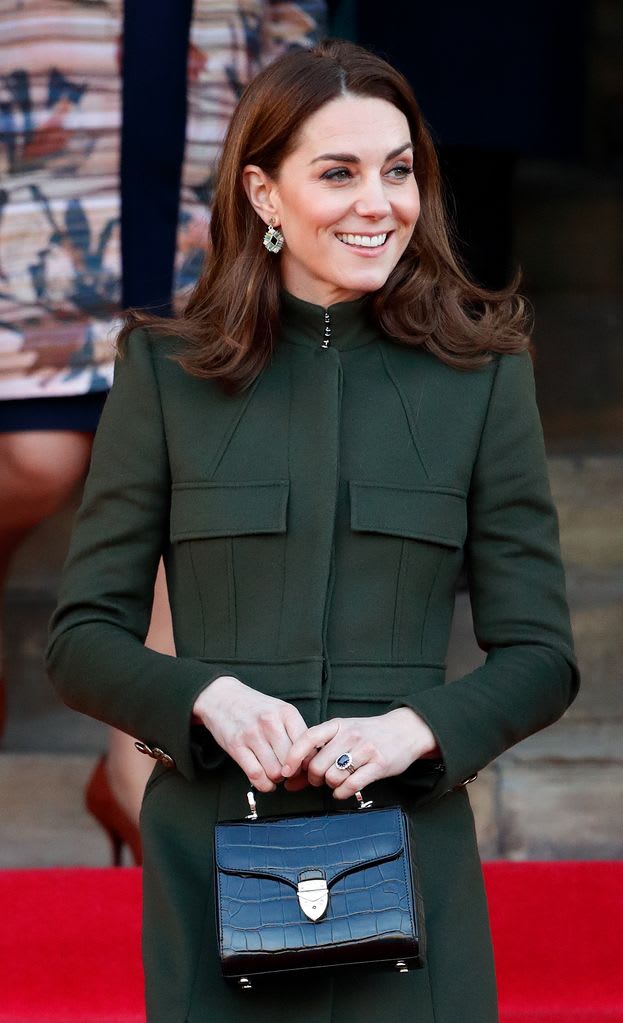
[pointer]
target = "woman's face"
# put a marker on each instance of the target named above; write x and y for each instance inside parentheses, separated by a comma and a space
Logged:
(345, 199)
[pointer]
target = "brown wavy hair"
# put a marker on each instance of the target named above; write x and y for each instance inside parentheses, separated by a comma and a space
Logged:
(232, 313)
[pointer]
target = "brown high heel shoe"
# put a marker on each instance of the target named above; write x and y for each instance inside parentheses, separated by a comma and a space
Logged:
(101, 801)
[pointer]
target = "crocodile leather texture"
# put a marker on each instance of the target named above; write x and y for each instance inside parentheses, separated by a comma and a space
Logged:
(374, 911)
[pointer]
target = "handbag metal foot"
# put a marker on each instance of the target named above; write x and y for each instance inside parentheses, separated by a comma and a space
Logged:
(244, 983)
(401, 966)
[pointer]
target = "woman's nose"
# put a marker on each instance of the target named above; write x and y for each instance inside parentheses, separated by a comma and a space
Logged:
(372, 200)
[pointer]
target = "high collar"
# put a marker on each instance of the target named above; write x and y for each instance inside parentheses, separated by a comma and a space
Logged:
(351, 323)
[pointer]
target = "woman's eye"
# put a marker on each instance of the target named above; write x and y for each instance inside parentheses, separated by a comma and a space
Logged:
(336, 174)
(403, 170)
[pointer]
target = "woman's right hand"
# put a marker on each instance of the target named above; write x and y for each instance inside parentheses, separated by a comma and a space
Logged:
(256, 730)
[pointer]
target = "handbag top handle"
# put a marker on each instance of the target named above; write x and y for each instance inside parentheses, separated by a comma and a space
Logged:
(253, 814)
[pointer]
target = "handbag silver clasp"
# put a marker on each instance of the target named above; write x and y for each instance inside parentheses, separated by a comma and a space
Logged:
(313, 893)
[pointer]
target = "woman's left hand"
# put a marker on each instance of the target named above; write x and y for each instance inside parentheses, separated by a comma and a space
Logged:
(380, 747)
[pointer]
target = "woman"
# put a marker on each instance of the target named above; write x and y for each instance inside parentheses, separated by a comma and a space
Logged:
(337, 419)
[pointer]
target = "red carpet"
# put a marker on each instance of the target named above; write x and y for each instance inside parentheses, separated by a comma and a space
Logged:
(558, 937)
(70, 943)
(70, 946)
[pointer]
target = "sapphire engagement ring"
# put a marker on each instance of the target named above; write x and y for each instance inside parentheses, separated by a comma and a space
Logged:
(345, 763)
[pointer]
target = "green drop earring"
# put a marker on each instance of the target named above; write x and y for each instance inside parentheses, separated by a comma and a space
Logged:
(273, 239)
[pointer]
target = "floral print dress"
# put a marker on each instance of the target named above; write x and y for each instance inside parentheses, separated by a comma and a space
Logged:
(60, 120)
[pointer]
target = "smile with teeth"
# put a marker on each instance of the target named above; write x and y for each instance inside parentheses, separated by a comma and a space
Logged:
(368, 241)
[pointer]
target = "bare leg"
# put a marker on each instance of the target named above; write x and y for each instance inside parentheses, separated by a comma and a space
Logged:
(127, 769)
(38, 471)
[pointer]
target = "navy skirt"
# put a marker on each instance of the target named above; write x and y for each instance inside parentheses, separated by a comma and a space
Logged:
(79, 412)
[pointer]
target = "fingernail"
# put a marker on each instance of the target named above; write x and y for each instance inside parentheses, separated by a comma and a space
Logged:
(286, 770)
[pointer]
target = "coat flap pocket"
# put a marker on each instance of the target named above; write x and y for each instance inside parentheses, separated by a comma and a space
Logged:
(333, 844)
(434, 513)
(228, 509)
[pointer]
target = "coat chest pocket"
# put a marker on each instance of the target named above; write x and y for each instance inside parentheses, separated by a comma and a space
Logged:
(436, 515)
(229, 543)
(200, 510)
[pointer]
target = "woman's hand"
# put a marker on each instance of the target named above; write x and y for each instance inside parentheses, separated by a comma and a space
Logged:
(380, 747)
(256, 730)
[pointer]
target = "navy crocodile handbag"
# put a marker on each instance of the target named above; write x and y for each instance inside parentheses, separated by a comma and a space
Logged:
(316, 890)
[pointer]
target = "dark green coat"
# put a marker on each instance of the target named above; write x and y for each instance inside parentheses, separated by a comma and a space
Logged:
(313, 530)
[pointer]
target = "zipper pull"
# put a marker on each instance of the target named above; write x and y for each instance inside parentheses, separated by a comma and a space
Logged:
(327, 329)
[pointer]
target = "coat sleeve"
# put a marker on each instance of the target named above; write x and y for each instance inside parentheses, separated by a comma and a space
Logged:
(95, 654)
(517, 590)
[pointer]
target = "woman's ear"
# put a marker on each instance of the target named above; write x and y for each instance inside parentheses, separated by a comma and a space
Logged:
(259, 188)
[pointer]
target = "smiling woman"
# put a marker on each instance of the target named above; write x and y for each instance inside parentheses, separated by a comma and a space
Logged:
(307, 450)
